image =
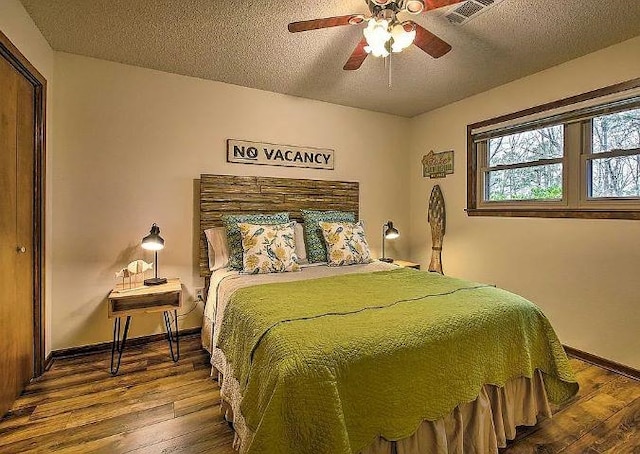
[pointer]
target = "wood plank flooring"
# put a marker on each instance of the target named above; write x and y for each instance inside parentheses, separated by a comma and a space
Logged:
(156, 406)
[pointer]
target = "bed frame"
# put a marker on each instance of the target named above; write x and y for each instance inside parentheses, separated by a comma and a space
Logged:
(229, 194)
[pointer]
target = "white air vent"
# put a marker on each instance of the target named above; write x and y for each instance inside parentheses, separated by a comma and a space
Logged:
(463, 12)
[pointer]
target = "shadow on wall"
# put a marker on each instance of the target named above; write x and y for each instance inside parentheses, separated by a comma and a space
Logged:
(124, 257)
(97, 318)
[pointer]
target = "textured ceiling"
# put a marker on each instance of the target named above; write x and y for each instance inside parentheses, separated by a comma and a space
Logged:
(246, 42)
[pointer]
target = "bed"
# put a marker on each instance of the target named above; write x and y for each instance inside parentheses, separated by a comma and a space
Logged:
(368, 358)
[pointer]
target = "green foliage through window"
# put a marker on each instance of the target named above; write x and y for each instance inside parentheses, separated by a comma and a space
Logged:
(520, 180)
(616, 176)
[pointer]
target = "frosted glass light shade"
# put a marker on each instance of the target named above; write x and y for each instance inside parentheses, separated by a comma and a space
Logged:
(415, 6)
(377, 35)
(401, 37)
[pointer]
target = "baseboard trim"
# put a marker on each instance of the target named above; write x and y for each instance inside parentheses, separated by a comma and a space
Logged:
(106, 346)
(604, 363)
(48, 361)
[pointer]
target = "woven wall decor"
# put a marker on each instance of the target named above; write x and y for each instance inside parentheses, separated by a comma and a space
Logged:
(438, 220)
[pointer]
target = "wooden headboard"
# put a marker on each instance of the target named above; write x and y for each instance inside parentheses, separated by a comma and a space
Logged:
(228, 194)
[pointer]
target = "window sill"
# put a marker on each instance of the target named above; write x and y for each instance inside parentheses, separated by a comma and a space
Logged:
(555, 213)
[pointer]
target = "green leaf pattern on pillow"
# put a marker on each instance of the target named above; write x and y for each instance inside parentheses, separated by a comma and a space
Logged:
(346, 243)
(234, 239)
(268, 248)
(314, 241)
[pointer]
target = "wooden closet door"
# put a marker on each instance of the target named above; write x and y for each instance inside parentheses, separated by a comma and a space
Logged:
(16, 233)
(24, 230)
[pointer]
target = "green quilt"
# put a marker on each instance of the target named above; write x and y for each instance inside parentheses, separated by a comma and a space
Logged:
(326, 365)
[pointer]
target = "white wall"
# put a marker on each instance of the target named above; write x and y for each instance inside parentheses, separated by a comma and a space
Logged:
(583, 273)
(130, 142)
(18, 26)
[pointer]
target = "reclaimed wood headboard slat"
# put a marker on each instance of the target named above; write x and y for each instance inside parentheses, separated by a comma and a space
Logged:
(229, 194)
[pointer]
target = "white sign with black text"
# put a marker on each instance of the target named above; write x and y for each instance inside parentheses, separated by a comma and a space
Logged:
(246, 152)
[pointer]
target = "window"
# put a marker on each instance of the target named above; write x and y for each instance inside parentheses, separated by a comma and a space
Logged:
(578, 157)
(526, 165)
(614, 162)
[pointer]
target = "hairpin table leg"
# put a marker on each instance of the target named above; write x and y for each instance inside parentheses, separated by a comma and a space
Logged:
(118, 345)
(172, 335)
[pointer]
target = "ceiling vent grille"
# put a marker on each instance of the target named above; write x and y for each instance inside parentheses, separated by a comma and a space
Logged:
(470, 9)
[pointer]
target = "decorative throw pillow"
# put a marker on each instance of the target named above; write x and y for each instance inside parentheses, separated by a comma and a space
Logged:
(268, 248)
(234, 240)
(346, 243)
(316, 248)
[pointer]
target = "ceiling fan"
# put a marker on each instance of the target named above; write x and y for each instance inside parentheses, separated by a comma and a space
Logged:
(385, 33)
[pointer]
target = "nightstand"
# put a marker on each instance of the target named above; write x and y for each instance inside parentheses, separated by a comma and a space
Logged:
(157, 298)
(405, 264)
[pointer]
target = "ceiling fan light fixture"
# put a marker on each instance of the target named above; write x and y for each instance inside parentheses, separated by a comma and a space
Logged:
(377, 35)
(414, 6)
(377, 51)
(403, 36)
(381, 2)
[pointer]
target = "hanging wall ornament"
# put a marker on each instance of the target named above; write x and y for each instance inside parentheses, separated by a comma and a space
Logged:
(437, 165)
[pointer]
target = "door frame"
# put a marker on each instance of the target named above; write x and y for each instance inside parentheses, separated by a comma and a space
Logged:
(15, 58)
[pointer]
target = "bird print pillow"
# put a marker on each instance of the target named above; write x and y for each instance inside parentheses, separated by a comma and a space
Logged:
(346, 243)
(268, 248)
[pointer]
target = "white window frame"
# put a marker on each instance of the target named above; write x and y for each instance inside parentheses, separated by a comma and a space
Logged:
(482, 178)
(587, 155)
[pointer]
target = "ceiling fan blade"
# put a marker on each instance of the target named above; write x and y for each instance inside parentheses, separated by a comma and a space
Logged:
(316, 24)
(358, 57)
(435, 4)
(429, 42)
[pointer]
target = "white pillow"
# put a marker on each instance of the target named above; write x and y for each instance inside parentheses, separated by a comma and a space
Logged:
(218, 249)
(298, 237)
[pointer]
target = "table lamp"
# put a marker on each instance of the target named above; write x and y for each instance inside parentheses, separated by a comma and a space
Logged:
(389, 232)
(154, 242)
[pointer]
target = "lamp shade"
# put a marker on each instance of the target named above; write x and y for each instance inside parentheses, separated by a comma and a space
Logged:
(377, 35)
(391, 232)
(403, 36)
(153, 241)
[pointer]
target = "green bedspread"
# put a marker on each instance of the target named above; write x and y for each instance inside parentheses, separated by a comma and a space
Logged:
(327, 365)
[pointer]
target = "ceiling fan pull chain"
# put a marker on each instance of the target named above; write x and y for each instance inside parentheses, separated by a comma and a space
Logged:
(389, 70)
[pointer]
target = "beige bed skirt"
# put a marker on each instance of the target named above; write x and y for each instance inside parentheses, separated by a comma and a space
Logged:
(206, 335)
(477, 427)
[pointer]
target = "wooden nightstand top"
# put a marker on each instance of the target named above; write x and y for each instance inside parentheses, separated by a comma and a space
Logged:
(153, 298)
(405, 264)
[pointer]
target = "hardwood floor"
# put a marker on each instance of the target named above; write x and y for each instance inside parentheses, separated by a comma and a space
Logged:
(156, 406)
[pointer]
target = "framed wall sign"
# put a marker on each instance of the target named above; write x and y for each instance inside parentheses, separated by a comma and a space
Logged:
(269, 154)
(437, 165)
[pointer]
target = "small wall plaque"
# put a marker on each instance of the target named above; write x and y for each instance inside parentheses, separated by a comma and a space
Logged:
(246, 152)
(437, 165)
